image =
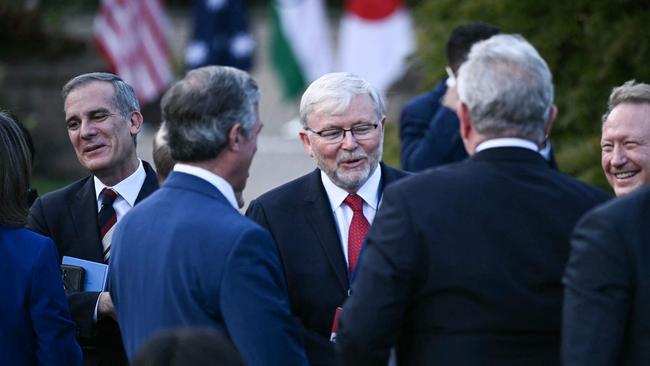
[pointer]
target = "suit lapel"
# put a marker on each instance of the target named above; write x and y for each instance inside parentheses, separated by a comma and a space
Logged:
(320, 217)
(150, 183)
(83, 209)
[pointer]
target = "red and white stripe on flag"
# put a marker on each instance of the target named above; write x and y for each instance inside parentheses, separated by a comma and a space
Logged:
(132, 35)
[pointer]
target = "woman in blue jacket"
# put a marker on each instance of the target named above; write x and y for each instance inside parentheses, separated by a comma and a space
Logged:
(35, 324)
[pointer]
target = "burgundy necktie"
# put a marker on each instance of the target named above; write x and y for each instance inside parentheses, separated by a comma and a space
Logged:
(358, 229)
(107, 219)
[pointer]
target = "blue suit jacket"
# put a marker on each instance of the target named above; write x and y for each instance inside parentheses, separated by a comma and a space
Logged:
(429, 132)
(35, 324)
(186, 257)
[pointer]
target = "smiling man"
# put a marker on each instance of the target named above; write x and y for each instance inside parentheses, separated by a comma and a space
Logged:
(319, 220)
(103, 118)
(625, 138)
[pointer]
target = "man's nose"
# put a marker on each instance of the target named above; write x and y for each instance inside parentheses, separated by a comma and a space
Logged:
(349, 141)
(619, 157)
(87, 129)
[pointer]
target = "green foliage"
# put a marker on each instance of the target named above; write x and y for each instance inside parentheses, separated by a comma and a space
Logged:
(590, 46)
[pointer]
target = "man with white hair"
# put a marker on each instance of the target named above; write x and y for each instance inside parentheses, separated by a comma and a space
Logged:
(319, 221)
(463, 262)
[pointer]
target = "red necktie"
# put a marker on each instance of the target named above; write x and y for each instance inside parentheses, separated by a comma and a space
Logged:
(358, 229)
(107, 219)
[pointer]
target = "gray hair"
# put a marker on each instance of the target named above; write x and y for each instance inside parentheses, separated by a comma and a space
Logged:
(200, 109)
(124, 98)
(333, 93)
(507, 87)
(629, 92)
(15, 172)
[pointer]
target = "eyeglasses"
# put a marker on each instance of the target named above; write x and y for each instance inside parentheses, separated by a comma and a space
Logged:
(336, 134)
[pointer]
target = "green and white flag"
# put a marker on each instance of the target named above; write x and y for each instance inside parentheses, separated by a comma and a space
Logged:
(301, 46)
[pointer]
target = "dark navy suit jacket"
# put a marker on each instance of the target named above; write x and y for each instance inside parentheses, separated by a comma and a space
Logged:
(463, 265)
(429, 132)
(186, 257)
(35, 324)
(69, 217)
(299, 216)
(606, 315)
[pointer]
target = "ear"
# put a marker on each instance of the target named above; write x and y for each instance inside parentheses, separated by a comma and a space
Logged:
(383, 124)
(549, 123)
(235, 137)
(467, 132)
(306, 143)
(462, 111)
(135, 123)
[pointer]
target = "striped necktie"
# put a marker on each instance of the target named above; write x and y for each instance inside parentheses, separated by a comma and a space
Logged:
(107, 219)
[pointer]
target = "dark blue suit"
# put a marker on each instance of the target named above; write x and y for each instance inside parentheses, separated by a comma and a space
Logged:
(299, 216)
(606, 315)
(429, 132)
(35, 324)
(186, 257)
(463, 265)
(69, 217)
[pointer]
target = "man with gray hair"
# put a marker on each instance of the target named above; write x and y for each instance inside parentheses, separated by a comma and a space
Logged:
(103, 118)
(319, 221)
(186, 257)
(463, 262)
(625, 140)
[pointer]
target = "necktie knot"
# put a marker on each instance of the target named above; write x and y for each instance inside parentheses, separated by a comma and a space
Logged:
(107, 196)
(355, 202)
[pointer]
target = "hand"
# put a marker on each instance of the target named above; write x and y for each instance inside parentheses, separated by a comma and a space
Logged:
(450, 99)
(105, 306)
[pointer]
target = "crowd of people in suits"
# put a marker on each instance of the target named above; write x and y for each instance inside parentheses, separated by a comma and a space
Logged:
(496, 258)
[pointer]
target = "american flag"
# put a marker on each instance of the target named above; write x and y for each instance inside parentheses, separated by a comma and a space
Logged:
(132, 36)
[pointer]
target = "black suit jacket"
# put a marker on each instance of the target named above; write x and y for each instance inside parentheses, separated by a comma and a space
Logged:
(606, 318)
(299, 216)
(69, 217)
(463, 265)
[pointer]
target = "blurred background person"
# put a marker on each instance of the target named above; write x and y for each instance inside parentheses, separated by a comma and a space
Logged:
(625, 140)
(220, 35)
(428, 125)
(188, 346)
(162, 155)
(35, 323)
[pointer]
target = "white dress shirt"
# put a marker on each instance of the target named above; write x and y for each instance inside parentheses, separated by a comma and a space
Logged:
(507, 142)
(127, 191)
(371, 195)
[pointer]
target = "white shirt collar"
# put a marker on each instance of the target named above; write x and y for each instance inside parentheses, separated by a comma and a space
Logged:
(128, 188)
(221, 184)
(368, 191)
(507, 142)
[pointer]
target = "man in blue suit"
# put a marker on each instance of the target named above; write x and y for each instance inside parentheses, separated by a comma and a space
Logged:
(186, 256)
